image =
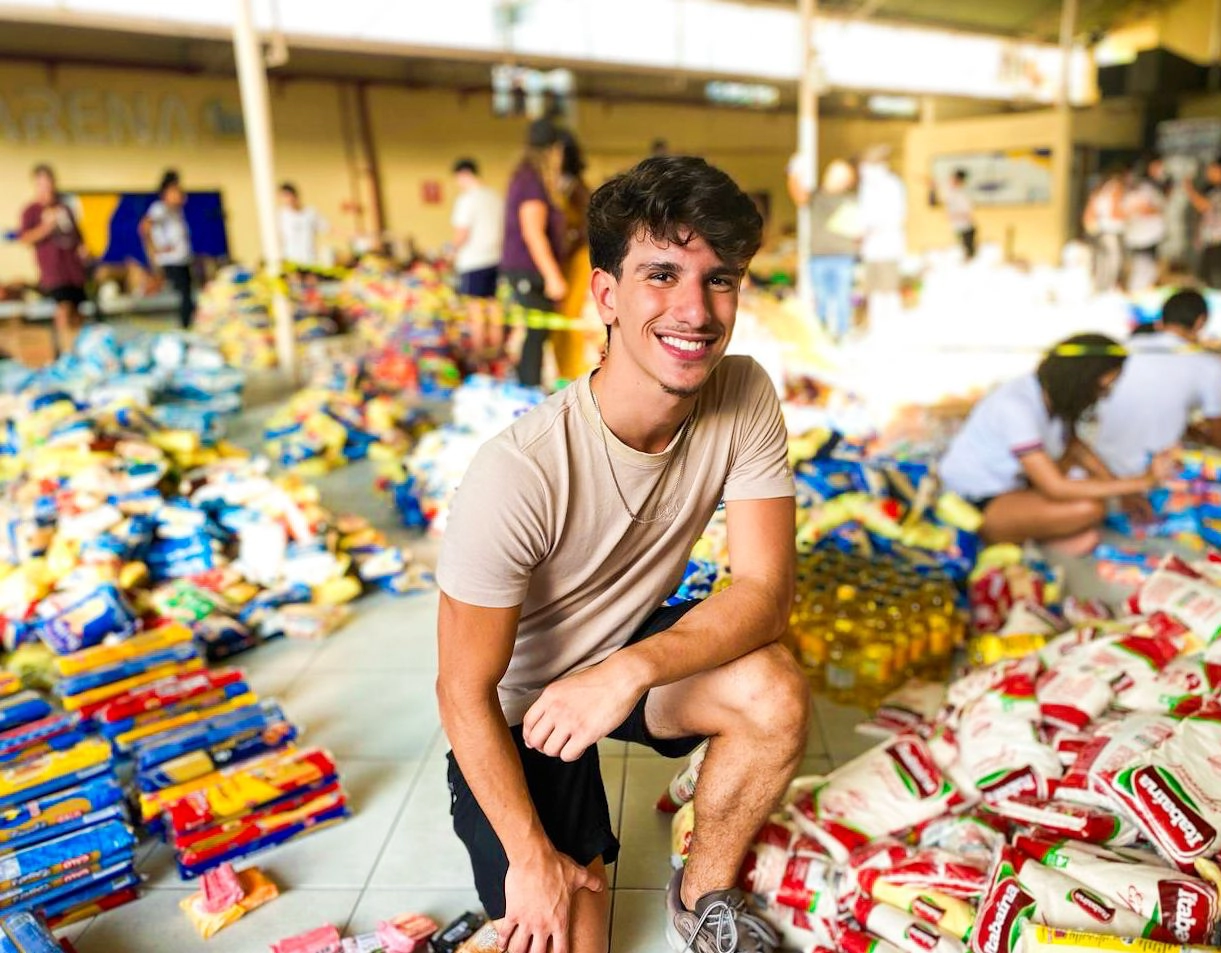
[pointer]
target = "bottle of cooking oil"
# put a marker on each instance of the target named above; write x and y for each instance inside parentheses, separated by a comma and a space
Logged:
(840, 668)
(813, 634)
(939, 618)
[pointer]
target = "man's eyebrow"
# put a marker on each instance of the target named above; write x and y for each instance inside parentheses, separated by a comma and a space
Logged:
(658, 266)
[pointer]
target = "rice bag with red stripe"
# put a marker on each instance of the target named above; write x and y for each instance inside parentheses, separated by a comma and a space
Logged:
(888, 789)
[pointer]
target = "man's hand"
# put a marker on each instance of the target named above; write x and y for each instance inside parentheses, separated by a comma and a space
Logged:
(538, 902)
(582, 709)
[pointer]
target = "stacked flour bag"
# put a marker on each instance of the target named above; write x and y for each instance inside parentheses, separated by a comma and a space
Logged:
(422, 485)
(66, 850)
(1075, 788)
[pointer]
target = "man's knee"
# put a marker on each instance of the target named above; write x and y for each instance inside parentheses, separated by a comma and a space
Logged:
(771, 694)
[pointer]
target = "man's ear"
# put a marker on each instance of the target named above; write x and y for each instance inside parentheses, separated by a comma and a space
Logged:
(605, 290)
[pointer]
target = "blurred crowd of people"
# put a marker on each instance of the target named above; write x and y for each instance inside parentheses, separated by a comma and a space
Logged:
(1133, 217)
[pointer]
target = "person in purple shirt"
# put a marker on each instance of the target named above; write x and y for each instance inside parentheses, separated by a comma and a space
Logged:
(50, 228)
(534, 239)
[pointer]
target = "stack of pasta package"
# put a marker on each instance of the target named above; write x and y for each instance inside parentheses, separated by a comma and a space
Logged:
(217, 772)
(1066, 797)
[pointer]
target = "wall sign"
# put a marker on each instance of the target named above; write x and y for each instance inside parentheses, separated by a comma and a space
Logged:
(42, 114)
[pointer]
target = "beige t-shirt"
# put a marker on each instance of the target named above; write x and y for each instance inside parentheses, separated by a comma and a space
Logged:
(538, 523)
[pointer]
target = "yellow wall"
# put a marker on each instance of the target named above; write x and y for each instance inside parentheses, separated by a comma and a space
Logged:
(1034, 232)
(417, 135)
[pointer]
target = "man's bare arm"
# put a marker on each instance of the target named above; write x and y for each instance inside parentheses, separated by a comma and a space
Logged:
(751, 613)
(475, 645)
(579, 710)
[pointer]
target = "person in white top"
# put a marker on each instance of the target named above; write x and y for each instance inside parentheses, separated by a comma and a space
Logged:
(960, 210)
(1144, 212)
(1166, 384)
(167, 240)
(1103, 222)
(883, 204)
(300, 228)
(1013, 456)
(478, 222)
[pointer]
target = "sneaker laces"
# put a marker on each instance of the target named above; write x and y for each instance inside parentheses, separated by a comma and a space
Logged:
(724, 917)
(720, 915)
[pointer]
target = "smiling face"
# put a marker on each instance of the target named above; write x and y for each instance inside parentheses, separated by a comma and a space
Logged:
(671, 313)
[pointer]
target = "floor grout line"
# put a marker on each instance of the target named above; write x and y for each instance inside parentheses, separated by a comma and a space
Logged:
(411, 789)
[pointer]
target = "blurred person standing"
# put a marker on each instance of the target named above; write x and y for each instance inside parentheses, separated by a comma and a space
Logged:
(478, 221)
(883, 202)
(300, 228)
(960, 210)
(835, 231)
(569, 345)
(534, 242)
(1208, 204)
(168, 240)
(1144, 214)
(1104, 223)
(49, 227)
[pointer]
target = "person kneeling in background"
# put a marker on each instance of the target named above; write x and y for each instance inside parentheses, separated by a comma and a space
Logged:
(1166, 383)
(1014, 455)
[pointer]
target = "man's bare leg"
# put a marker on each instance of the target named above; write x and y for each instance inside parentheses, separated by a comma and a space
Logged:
(589, 928)
(474, 321)
(754, 711)
(65, 321)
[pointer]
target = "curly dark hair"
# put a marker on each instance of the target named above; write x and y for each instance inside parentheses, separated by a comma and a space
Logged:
(672, 199)
(1072, 370)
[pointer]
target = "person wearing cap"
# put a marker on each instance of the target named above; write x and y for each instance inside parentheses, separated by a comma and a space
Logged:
(1013, 457)
(534, 241)
(1169, 389)
(478, 221)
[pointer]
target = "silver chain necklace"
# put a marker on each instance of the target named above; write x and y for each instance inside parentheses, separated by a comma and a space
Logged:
(671, 508)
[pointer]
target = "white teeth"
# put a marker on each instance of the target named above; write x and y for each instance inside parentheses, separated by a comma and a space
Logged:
(684, 345)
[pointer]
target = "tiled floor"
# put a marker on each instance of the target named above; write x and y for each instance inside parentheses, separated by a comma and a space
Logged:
(367, 694)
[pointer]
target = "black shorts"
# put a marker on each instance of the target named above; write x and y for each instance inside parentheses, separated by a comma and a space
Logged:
(569, 796)
(480, 283)
(66, 294)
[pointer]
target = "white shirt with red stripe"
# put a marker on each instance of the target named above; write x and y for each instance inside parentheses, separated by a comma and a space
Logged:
(985, 458)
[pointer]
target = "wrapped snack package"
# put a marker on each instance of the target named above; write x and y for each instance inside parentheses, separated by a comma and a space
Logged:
(210, 917)
(894, 786)
(323, 939)
(1039, 938)
(407, 933)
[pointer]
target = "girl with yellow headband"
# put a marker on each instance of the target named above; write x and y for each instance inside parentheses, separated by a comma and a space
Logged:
(1019, 459)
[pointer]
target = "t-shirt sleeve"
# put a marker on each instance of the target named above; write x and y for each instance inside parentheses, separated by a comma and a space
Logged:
(1019, 426)
(760, 466)
(1210, 386)
(530, 188)
(497, 529)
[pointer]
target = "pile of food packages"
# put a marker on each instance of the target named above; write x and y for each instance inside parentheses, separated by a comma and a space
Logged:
(179, 379)
(1069, 787)
(423, 483)
(235, 310)
(410, 324)
(343, 414)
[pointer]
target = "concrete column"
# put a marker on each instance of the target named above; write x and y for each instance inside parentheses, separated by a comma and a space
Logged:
(256, 116)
